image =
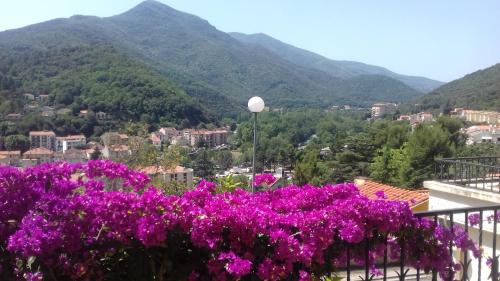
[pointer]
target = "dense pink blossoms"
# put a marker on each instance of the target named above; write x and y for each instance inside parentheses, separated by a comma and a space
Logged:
(84, 222)
(264, 179)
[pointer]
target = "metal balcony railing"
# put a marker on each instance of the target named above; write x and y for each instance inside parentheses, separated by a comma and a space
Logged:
(472, 172)
(484, 233)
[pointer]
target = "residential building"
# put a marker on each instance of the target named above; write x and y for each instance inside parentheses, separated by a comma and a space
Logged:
(46, 139)
(325, 151)
(211, 138)
(404, 118)
(83, 113)
(381, 109)
(14, 116)
(10, 158)
(37, 156)
(167, 134)
(155, 139)
(179, 140)
(112, 138)
(48, 113)
(477, 116)
(73, 155)
(191, 137)
(30, 107)
(42, 98)
(483, 133)
(116, 151)
(422, 117)
(29, 97)
(69, 142)
(179, 174)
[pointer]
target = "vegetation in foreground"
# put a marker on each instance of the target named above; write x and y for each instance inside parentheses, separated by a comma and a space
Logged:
(103, 221)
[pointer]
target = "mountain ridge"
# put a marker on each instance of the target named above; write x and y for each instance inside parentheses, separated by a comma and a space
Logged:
(337, 68)
(210, 65)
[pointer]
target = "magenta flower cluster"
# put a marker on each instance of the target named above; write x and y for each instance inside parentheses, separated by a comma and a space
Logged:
(81, 222)
(264, 179)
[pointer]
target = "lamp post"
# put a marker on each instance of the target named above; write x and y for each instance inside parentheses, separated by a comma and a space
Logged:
(255, 105)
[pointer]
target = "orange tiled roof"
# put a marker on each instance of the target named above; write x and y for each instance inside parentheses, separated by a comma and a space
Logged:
(119, 147)
(155, 138)
(157, 170)
(42, 133)
(39, 151)
(413, 197)
(10, 152)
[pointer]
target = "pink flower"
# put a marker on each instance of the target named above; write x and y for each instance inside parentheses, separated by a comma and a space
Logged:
(380, 194)
(264, 179)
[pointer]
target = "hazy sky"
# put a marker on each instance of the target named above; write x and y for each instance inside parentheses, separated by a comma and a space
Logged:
(440, 39)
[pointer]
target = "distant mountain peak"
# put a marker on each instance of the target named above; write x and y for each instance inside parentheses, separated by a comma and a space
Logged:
(151, 7)
(152, 3)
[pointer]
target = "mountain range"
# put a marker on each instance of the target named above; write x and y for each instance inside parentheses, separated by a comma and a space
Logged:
(204, 69)
(341, 69)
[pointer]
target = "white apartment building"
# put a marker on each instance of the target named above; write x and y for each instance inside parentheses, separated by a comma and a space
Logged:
(383, 108)
(483, 133)
(212, 138)
(167, 134)
(10, 158)
(69, 142)
(179, 174)
(477, 116)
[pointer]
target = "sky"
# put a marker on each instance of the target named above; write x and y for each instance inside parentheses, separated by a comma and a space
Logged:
(443, 40)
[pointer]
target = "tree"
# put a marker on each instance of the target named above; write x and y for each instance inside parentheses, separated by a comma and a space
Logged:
(17, 142)
(427, 143)
(453, 126)
(310, 171)
(203, 166)
(143, 153)
(137, 129)
(224, 159)
(171, 157)
(479, 149)
(386, 166)
(393, 136)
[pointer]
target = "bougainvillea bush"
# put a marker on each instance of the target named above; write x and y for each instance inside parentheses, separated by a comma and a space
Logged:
(102, 221)
(264, 180)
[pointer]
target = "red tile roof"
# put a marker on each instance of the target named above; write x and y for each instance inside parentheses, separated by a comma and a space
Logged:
(10, 152)
(154, 138)
(39, 151)
(413, 197)
(150, 170)
(42, 133)
(119, 147)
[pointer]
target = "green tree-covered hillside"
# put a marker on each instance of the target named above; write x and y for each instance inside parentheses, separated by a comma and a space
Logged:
(479, 90)
(96, 78)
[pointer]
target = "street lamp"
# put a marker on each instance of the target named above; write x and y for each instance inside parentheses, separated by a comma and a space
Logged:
(255, 105)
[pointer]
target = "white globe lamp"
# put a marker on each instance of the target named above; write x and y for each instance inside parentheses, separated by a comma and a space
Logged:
(256, 104)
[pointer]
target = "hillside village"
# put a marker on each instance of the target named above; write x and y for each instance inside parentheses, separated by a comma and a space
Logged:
(46, 147)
